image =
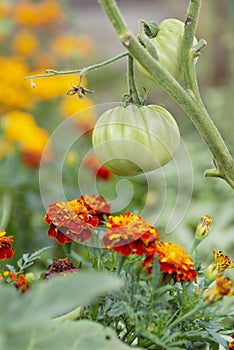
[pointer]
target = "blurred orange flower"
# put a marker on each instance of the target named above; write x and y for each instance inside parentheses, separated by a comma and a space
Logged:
(31, 13)
(173, 261)
(67, 46)
(21, 127)
(91, 162)
(25, 43)
(15, 92)
(82, 109)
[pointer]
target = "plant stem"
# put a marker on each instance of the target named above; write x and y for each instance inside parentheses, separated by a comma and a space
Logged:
(82, 71)
(187, 53)
(191, 105)
(188, 314)
(132, 89)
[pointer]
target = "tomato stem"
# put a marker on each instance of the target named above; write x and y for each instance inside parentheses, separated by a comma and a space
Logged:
(132, 89)
(82, 71)
(188, 98)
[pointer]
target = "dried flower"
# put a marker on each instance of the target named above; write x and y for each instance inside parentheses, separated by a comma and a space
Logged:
(60, 267)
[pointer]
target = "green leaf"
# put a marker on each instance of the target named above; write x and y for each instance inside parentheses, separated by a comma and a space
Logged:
(51, 298)
(79, 335)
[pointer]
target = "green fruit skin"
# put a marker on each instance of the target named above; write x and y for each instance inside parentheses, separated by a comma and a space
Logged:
(167, 43)
(135, 139)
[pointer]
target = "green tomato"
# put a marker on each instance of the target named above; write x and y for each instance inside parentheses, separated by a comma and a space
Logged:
(134, 139)
(167, 43)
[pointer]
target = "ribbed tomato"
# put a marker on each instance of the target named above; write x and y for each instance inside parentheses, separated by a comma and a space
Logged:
(167, 43)
(134, 139)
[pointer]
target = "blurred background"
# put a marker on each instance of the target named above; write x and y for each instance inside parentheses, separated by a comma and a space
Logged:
(64, 35)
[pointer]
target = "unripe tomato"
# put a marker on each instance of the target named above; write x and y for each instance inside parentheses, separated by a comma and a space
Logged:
(167, 43)
(134, 139)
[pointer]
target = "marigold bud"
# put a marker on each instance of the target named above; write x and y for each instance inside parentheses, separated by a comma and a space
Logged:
(204, 227)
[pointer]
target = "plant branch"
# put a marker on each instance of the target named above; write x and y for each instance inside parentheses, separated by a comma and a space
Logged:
(195, 110)
(82, 71)
(132, 89)
(188, 54)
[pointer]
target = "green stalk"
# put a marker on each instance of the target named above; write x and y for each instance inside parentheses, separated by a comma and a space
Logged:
(132, 89)
(82, 71)
(191, 105)
(187, 53)
(188, 314)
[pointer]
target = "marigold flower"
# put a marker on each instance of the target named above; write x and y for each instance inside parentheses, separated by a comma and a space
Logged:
(129, 234)
(221, 263)
(21, 127)
(91, 162)
(173, 261)
(75, 219)
(204, 227)
(231, 343)
(22, 283)
(223, 287)
(15, 92)
(82, 110)
(67, 45)
(25, 12)
(25, 43)
(6, 251)
(60, 266)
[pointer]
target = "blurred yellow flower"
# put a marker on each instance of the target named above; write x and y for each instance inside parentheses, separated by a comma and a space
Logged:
(68, 45)
(4, 9)
(25, 43)
(31, 13)
(86, 116)
(21, 127)
(17, 125)
(51, 87)
(15, 92)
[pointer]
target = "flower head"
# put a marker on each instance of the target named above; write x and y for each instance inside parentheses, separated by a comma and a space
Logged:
(60, 266)
(6, 251)
(129, 234)
(92, 163)
(231, 343)
(204, 227)
(223, 287)
(75, 219)
(173, 261)
(221, 263)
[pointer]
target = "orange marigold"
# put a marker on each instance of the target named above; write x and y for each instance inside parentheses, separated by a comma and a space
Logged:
(129, 234)
(223, 287)
(34, 14)
(75, 219)
(6, 251)
(173, 261)
(91, 162)
(231, 343)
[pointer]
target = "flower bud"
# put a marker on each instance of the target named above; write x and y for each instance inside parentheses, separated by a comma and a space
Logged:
(204, 227)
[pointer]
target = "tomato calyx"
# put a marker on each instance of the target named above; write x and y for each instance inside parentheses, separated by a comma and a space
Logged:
(149, 28)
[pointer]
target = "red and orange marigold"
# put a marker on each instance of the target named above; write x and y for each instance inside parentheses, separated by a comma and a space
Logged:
(75, 219)
(6, 251)
(173, 261)
(129, 234)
